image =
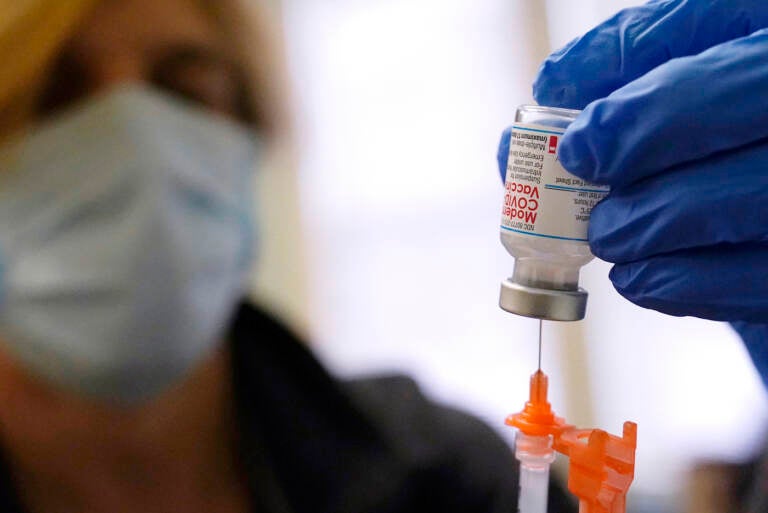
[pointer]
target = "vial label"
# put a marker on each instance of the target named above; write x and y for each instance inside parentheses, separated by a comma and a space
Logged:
(541, 198)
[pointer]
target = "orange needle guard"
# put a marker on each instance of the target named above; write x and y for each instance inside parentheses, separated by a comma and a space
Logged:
(602, 466)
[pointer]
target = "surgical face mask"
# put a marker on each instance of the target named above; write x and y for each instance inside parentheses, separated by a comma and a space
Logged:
(125, 240)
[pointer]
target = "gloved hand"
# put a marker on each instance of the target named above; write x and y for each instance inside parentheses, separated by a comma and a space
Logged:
(675, 99)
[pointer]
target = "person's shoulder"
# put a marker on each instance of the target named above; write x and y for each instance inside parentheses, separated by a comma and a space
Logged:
(419, 425)
(458, 460)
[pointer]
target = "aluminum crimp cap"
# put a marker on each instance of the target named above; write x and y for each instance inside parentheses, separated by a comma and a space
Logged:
(547, 304)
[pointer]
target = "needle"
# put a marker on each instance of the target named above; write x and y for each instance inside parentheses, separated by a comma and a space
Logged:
(541, 323)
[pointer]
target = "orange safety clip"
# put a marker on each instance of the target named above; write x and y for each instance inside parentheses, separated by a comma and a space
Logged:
(601, 467)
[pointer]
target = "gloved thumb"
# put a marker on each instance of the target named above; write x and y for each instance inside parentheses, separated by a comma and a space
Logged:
(755, 337)
(503, 155)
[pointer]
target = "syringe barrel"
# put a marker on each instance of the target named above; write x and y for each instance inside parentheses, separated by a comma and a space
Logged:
(536, 455)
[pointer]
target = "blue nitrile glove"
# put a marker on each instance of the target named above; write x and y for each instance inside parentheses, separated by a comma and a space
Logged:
(683, 147)
(675, 99)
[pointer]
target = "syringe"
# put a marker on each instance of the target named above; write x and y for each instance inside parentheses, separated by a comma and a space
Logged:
(537, 426)
(534, 451)
(601, 468)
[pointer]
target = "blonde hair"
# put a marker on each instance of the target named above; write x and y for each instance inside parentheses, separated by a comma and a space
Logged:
(30, 32)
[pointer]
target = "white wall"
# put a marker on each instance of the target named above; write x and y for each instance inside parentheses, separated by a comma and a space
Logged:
(402, 106)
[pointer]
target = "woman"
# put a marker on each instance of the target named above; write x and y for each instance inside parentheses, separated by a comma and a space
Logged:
(133, 377)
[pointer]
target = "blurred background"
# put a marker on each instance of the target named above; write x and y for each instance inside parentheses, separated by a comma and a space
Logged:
(395, 264)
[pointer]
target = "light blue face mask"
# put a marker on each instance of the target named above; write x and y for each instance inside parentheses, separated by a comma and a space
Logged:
(126, 233)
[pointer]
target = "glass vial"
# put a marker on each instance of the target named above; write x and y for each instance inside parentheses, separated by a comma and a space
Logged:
(544, 220)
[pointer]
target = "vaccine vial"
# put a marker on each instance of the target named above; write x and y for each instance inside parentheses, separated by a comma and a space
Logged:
(544, 220)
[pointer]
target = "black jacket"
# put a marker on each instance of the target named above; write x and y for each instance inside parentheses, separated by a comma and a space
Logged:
(311, 444)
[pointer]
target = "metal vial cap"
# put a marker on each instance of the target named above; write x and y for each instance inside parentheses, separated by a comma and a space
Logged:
(547, 304)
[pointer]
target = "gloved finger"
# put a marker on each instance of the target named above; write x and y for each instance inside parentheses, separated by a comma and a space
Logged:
(686, 109)
(723, 283)
(638, 39)
(720, 199)
(502, 157)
